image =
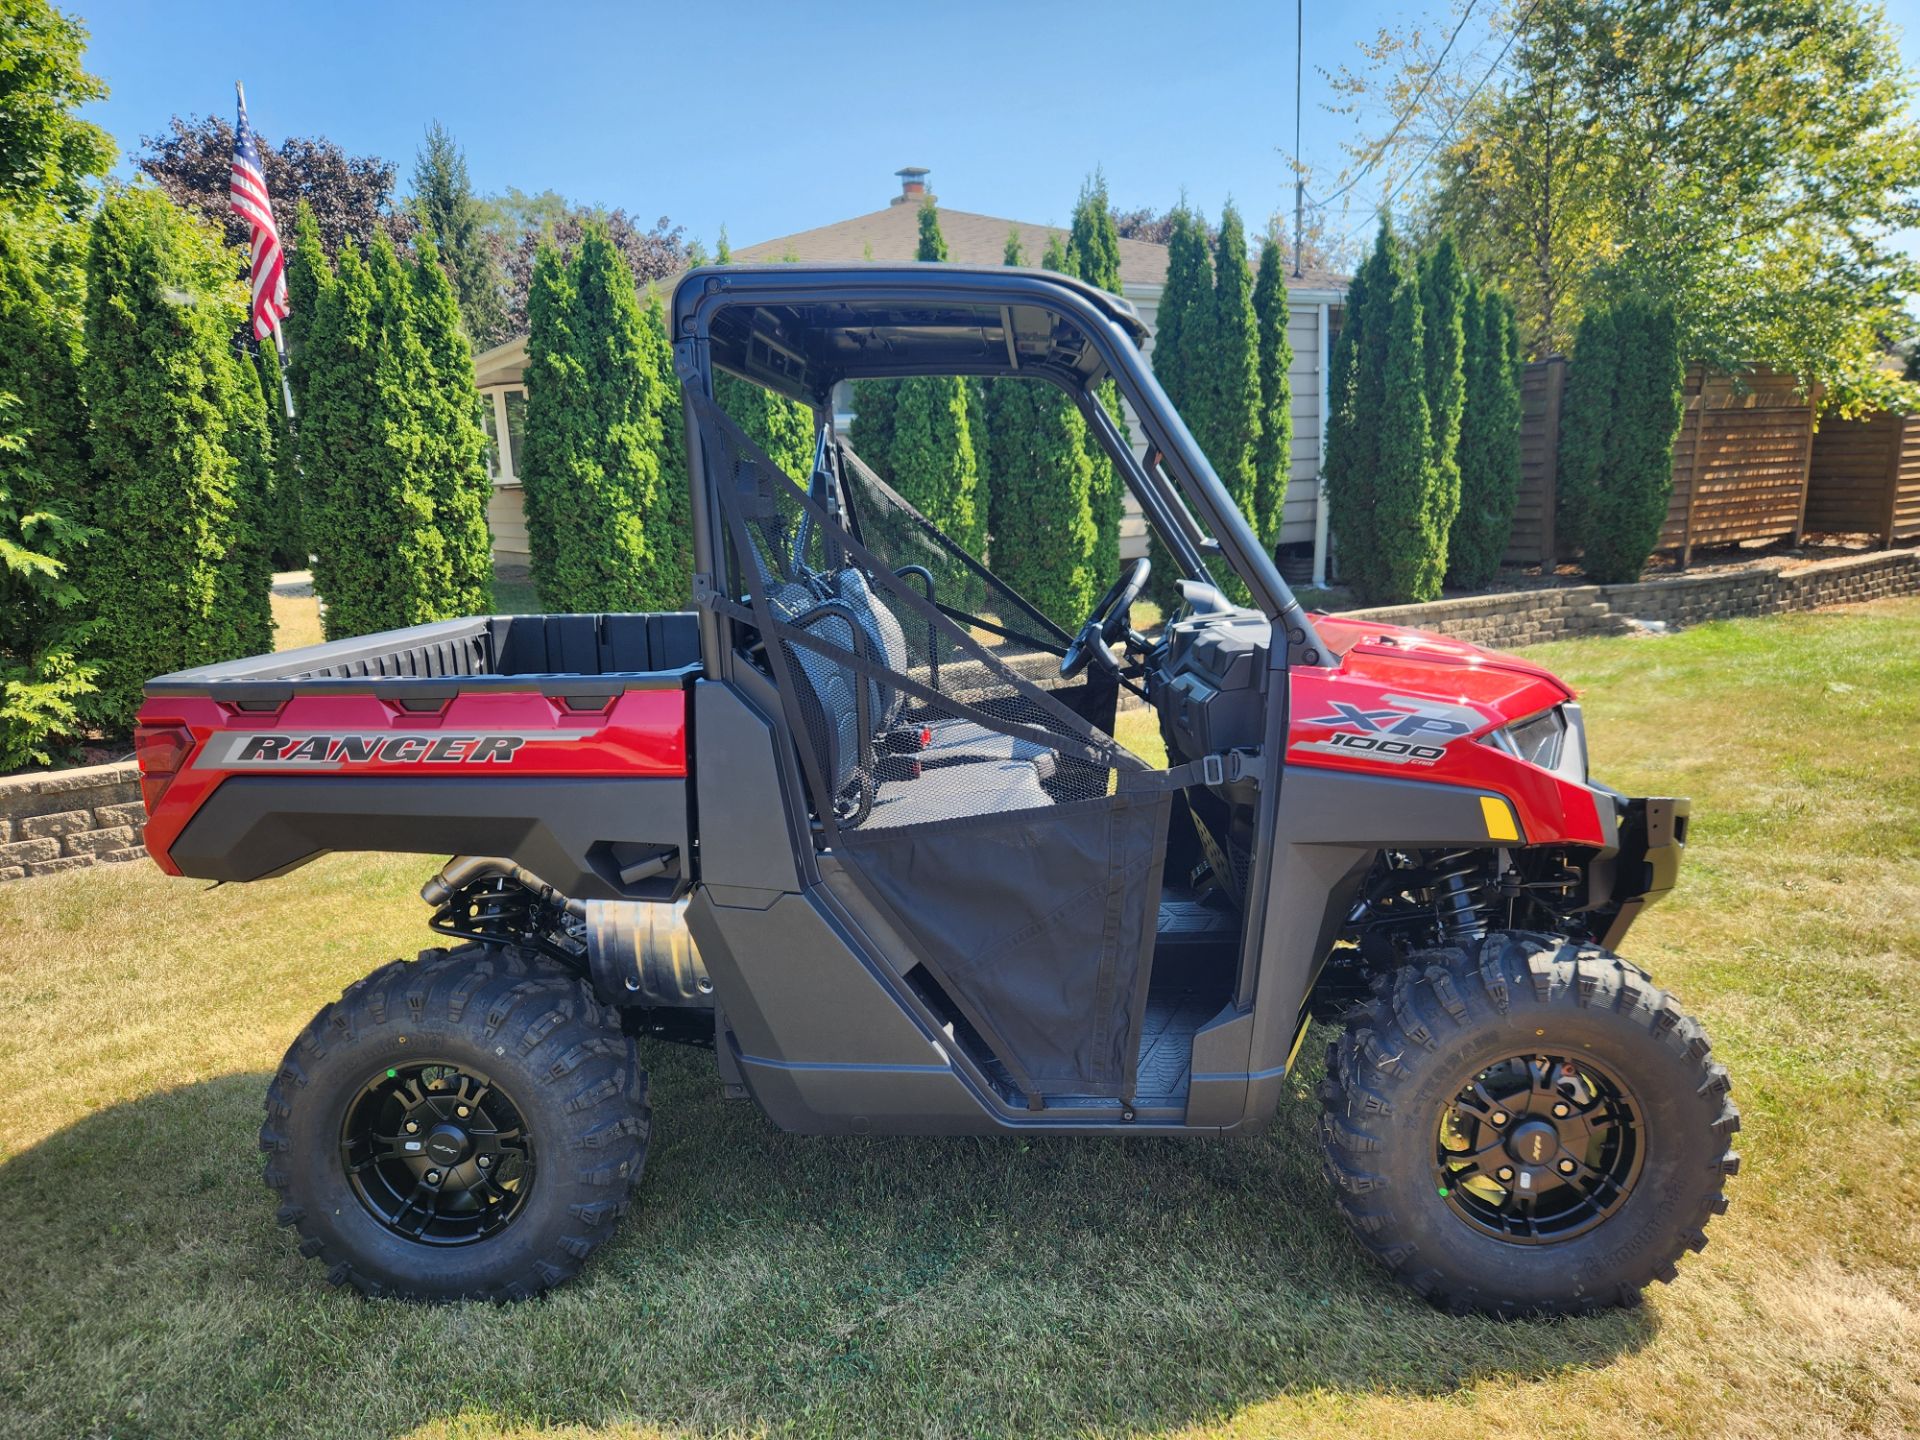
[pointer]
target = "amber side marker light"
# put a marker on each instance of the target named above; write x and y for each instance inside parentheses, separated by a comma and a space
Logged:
(160, 750)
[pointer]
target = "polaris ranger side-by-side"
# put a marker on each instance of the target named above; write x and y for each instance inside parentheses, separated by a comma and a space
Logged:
(859, 823)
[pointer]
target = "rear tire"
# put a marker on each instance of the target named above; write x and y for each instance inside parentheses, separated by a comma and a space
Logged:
(1433, 1188)
(551, 1097)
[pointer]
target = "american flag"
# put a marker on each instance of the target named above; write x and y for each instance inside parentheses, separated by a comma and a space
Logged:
(250, 203)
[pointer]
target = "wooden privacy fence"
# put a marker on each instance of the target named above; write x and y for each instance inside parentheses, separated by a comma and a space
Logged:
(1865, 477)
(1741, 462)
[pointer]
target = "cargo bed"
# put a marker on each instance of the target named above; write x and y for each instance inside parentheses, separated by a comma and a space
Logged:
(557, 741)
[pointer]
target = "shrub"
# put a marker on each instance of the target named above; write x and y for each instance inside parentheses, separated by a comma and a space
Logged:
(179, 452)
(1182, 336)
(1273, 455)
(43, 677)
(596, 506)
(1443, 301)
(455, 451)
(1623, 409)
(1489, 442)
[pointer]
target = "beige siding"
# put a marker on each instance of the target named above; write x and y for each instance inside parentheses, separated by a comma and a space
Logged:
(507, 516)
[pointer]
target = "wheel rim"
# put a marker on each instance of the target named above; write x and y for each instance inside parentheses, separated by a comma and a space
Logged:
(437, 1153)
(1538, 1148)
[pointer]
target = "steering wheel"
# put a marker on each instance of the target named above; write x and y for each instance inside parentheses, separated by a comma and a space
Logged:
(1108, 623)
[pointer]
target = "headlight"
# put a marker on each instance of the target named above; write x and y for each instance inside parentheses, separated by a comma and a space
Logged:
(1554, 740)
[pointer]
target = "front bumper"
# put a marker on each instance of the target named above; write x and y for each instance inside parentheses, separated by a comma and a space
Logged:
(1653, 836)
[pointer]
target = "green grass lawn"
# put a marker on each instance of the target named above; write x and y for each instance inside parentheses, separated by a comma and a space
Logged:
(768, 1284)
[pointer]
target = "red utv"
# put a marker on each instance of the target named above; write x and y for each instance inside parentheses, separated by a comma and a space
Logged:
(859, 823)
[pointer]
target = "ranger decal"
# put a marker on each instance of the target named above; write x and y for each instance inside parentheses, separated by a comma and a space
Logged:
(324, 750)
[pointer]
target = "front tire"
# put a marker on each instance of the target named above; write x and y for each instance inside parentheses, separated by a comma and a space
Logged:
(1525, 1126)
(467, 1125)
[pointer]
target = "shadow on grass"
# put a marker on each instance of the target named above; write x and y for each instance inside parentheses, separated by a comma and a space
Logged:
(765, 1282)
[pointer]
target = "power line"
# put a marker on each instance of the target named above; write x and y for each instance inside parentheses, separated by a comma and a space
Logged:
(1446, 134)
(1299, 180)
(1405, 115)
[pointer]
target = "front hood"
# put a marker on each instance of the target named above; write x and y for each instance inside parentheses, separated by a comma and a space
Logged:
(1504, 686)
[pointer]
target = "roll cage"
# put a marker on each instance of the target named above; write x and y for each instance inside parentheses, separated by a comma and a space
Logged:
(800, 330)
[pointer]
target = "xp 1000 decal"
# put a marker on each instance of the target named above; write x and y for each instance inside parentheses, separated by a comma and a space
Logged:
(1396, 729)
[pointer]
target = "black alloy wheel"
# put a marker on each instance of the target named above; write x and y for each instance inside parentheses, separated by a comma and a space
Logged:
(1538, 1148)
(437, 1154)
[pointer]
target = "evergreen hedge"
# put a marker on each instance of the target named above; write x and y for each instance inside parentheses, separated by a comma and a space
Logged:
(1623, 409)
(1043, 464)
(286, 535)
(1489, 441)
(1385, 491)
(1443, 300)
(1273, 454)
(44, 677)
(456, 440)
(180, 453)
(672, 517)
(930, 458)
(1093, 254)
(1183, 335)
(598, 512)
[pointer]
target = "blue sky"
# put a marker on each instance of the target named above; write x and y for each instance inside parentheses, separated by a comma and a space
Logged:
(772, 117)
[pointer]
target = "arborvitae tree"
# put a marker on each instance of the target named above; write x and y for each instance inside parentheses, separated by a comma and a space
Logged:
(286, 539)
(555, 377)
(451, 216)
(1182, 337)
(871, 433)
(456, 454)
(1230, 405)
(930, 460)
(1623, 408)
(1044, 532)
(1443, 299)
(593, 438)
(245, 580)
(933, 244)
(781, 427)
(1093, 254)
(43, 675)
(418, 576)
(1352, 445)
(1489, 441)
(670, 522)
(1380, 473)
(308, 273)
(1273, 456)
(932, 457)
(176, 465)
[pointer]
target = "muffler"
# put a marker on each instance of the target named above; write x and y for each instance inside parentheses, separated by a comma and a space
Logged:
(641, 954)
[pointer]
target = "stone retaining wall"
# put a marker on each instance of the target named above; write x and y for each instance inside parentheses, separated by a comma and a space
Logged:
(64, 819)
(1527, 617)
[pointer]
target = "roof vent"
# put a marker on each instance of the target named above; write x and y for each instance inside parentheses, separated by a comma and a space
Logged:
(913, 186)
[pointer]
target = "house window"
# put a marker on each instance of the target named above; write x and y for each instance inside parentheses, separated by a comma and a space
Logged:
(490, 424)
(515, 406)
(505, 415)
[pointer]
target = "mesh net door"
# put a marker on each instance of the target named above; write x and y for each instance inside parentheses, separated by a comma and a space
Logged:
(970, 803)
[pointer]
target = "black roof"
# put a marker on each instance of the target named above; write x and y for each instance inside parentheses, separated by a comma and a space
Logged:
(801, 328)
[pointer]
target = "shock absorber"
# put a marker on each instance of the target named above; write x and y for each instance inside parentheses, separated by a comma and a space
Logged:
(1459, 896)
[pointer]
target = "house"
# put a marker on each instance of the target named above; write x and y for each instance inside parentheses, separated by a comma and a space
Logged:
(893, 233)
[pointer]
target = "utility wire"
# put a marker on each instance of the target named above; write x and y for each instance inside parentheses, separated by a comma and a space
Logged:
(1299, 180)
(1447, 133)
(1405, 115)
